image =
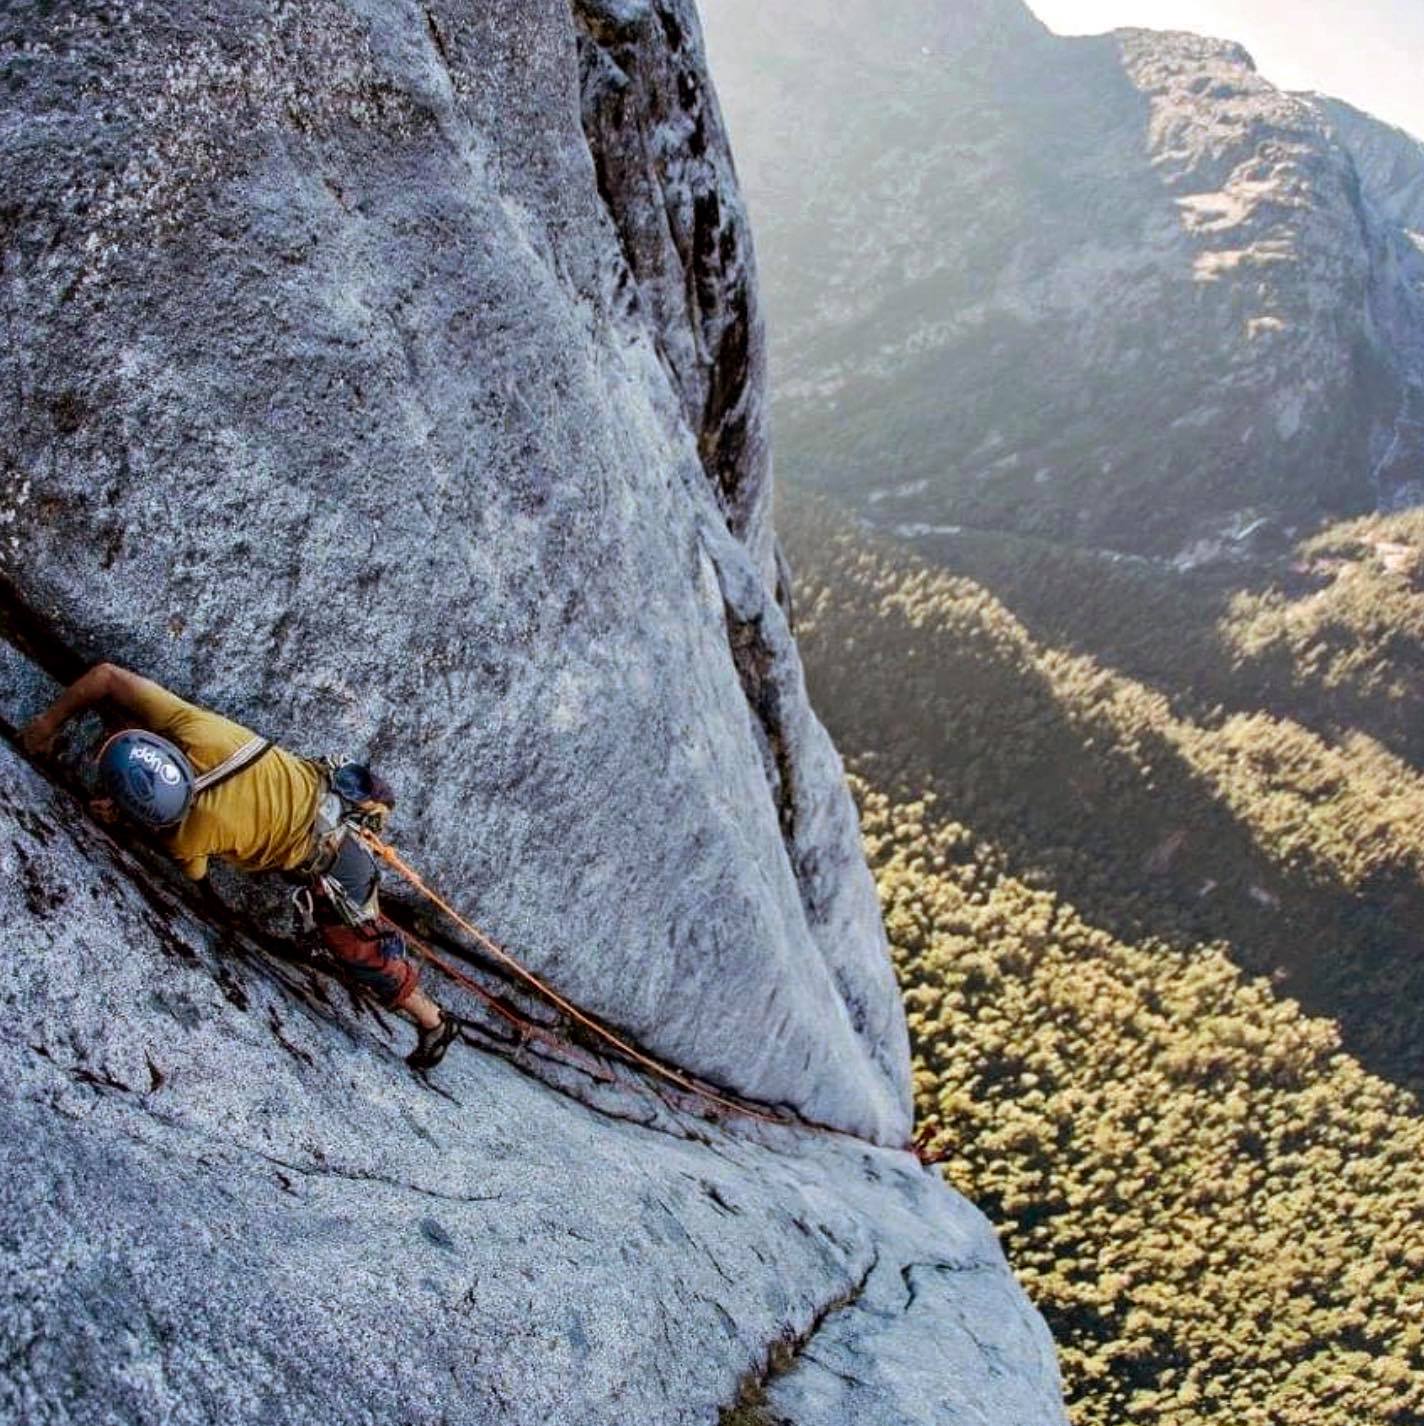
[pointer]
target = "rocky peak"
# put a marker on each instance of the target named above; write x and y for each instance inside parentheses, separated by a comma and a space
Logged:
(1116, 290)
(945, 28)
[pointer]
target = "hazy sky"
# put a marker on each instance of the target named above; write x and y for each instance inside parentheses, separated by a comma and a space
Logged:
(1368, 52)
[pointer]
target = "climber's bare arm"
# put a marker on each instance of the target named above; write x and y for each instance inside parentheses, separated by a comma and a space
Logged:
(104, 683)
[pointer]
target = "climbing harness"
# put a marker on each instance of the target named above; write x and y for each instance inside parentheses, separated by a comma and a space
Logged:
(339, 862)
(654, 1066)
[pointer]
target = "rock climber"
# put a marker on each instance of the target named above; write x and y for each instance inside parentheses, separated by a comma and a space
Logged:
(207, 787)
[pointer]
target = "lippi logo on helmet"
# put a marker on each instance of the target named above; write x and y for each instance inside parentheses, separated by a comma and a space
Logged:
(152, 759)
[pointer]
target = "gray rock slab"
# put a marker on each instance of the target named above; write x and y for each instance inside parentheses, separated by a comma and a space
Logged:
(390, 377)
(225, 1198)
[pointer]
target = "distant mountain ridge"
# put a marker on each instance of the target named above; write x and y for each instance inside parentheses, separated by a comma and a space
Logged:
(1116, 290)
(1390, 160)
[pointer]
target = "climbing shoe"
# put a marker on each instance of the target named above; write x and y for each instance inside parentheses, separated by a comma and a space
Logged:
(430, 1047)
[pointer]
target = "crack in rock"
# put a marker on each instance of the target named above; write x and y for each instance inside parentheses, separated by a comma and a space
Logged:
(784, 1353)
(907, 1275)
(663, 168)
(755, 661)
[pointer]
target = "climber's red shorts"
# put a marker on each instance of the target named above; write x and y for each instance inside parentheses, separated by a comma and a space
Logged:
(376, 959)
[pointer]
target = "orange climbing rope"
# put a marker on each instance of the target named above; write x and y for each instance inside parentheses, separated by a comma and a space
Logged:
(656, 1067)
(526, 1028)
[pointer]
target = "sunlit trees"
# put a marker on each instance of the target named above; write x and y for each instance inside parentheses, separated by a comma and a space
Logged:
(1098, 889)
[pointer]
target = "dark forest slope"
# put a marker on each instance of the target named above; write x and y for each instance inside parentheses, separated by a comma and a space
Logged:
(1131, 769)
(1158, 947)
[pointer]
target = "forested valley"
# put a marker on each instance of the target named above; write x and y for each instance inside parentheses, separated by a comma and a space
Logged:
(1150, 845)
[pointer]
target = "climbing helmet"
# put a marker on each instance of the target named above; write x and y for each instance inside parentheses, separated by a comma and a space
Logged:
(149, 779)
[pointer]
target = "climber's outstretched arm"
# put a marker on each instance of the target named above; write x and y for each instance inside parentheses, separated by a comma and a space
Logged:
(105, 682)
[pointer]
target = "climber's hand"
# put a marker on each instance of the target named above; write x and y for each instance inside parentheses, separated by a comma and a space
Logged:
(38, 736)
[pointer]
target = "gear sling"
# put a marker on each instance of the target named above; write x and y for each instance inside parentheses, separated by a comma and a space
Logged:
(345, 916)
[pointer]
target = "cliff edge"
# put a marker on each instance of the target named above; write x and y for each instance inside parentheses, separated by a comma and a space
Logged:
(392, 378)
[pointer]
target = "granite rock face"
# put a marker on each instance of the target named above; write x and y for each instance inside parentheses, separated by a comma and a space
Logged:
(1390, 165)
(1119, 290)
(223, 1198)
(352, 395)
(391, 377)
(1390, 161)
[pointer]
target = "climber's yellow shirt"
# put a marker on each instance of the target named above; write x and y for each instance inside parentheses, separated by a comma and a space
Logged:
(260, 819)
